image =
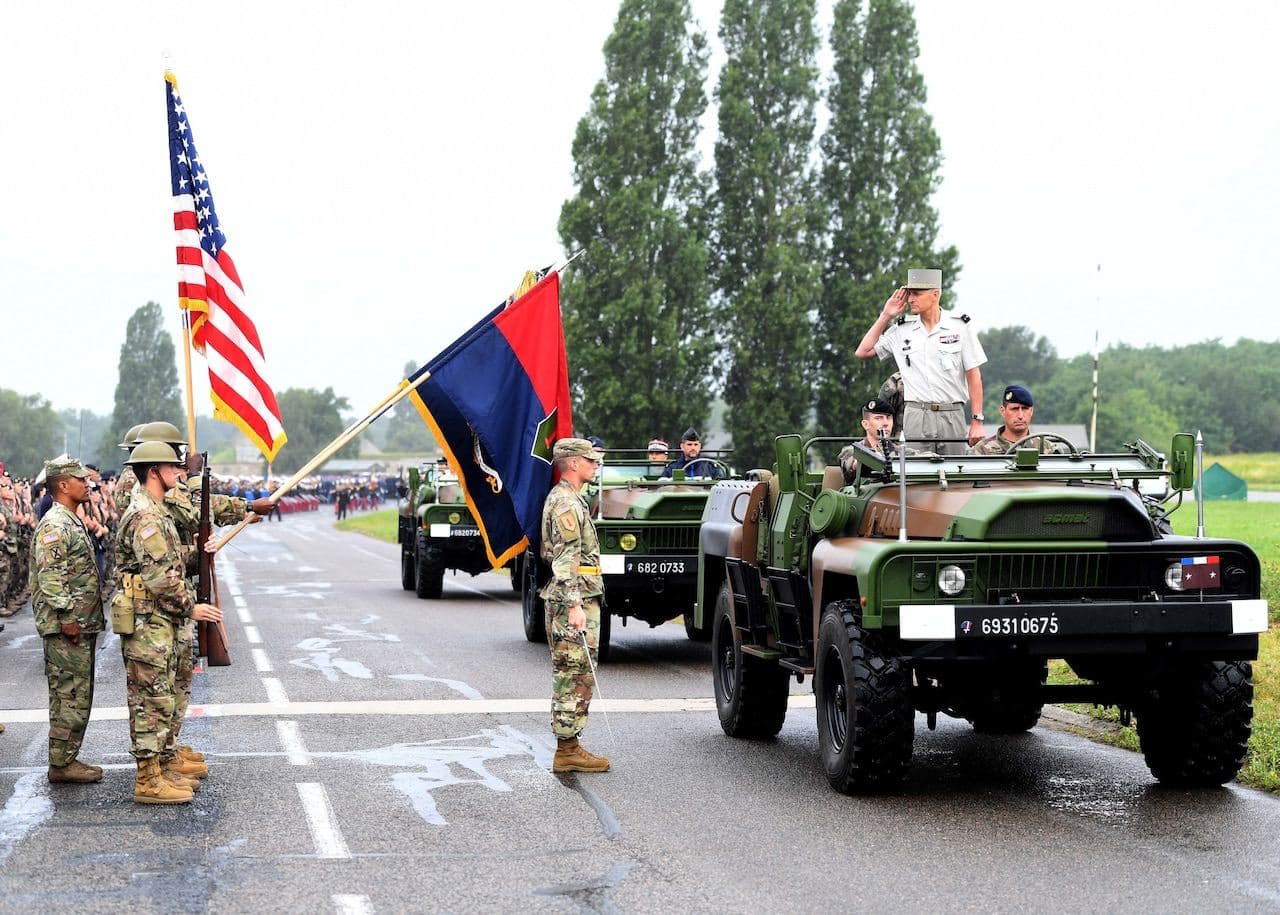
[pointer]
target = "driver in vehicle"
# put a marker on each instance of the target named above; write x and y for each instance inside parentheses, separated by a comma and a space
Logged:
(689, 462)
(1016, 407)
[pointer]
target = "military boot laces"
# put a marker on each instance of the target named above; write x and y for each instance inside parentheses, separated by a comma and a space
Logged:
(571, 757)
(151, 787)
(190, 768)
(187, 752)
(76, 773)
(190, 782)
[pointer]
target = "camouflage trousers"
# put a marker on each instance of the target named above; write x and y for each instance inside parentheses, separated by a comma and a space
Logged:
(148, 670)
(6, 571)
(571, 679)
(183, 671)
(69, 669)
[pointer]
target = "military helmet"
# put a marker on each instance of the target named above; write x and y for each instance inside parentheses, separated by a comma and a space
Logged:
(161, 432)
(131, 437)
(153, 453)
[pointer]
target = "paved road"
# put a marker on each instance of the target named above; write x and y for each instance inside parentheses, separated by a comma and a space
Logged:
(371, 752)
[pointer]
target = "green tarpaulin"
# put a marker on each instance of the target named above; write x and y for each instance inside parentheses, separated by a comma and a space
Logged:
(1221, 483)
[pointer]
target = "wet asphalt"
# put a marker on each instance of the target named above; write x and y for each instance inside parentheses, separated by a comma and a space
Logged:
(358, 791)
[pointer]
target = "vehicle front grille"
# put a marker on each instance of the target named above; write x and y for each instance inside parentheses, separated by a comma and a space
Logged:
(673, 540)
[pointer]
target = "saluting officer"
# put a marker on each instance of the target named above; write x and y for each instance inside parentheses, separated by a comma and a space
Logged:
(570, 547)
(939, 356)
(67, 599)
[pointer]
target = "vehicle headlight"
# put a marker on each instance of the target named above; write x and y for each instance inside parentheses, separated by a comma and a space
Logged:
(951, 580)
(454, 517)
(1173, 576)
(627, 542)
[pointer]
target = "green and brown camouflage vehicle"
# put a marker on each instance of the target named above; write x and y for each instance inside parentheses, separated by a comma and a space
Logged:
(648, 529)
(437, 533)
(944, 584)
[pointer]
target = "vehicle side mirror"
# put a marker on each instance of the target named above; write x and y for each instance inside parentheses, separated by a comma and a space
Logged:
(1182, 461)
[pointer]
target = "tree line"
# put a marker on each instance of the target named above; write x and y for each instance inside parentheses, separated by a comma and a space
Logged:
(755, 278)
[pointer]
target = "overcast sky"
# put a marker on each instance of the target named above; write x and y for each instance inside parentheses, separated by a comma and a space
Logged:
(384, 172)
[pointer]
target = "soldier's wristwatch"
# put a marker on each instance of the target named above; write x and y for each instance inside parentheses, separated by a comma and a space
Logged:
(979, 417)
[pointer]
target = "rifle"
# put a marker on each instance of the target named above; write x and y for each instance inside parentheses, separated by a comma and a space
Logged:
(212, 637)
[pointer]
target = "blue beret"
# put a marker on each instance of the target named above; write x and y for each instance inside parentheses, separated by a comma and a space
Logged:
(1016, 393)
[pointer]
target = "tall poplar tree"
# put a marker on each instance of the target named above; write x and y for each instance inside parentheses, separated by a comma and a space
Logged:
(147, 381)
(767, 239)
(637, 327)
(881, 158)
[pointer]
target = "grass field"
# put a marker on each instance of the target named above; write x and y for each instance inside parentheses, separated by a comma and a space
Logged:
(1260, 470)
(1257, 524)
(381, 525)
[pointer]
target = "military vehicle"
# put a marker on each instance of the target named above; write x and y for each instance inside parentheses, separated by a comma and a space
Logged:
(932, 584)
(648, 529)
(437, 533)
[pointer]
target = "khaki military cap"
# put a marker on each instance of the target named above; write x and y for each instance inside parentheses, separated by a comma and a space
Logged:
(64, 467)
(576, 447)
(924, 279)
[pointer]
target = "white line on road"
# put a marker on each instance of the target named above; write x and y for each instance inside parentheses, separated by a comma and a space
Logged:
(349, 904)
(239, 601)
(261, 661)
(275, 692)
(321, 821)
(379, 556)
(243, 613)
(291, 740)
(251, 633)
(233, 590)
(477, 591)
(279, 705)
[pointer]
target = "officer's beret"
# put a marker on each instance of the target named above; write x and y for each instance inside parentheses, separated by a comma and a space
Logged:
(575, 447)
(64, 467)
(1016, 393)
(690, 435)
(877, 405)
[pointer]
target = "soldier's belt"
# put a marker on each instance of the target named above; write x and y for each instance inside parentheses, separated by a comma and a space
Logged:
(132, 585)
(588, 570)
(935, 407)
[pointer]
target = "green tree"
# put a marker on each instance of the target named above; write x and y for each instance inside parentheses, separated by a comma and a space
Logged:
(30, 432)
(1015, 355)
(83, 431)
(637, 326)
(881, 158)
(767, 238)
(314, 419)
(147, 379)
(405, 432)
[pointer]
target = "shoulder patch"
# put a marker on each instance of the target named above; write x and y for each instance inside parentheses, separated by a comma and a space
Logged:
(50, 537)
(568, 523)
(149, 531)
(965, 318)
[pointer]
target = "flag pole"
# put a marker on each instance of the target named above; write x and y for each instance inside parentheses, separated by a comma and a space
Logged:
(406, 388)
(186, 363)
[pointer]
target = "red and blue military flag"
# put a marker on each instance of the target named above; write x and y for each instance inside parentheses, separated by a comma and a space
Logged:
(496, 400)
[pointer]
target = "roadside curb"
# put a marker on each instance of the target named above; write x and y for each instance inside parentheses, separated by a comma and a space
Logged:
(1062, 719)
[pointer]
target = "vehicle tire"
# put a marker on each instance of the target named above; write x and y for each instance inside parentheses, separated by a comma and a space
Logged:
(606, 631)
(751, 693)
(408, 570)
(697, 633)
(866, 722)
(532, 608)
(1013, 707)
(429, 582)
(1194, 726)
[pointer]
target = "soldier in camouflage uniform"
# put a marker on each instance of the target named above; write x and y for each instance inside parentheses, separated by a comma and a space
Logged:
(153, 580)
(67, 599)
(1016, 407)
(26, 518)
(572, 596)
(124, 485)
(12, 564)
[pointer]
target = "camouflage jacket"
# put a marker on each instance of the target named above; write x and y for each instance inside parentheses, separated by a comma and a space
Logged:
(570, 547)
(998, 444)
(149, 546)
(10, 526)
(124, 488)
(183, 502)
(65, 587)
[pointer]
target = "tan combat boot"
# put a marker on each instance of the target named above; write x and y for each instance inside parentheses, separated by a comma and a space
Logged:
(187, 753)
(571, 757)
(178, 780)
(75, 772)
(189, 767)
(151, 788)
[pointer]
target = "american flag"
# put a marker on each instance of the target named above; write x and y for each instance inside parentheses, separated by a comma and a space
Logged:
(210, 291)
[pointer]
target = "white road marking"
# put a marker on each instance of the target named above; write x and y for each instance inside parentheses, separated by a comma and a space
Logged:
(279, 705)
(379, 556)
(251, 633)
(233, 589)
(479, 593)
(261, 661)
(291, 740)
(27, 808)
(275, 693)
(325, 833)
(348, 904)
(243, 613)
(239, 601)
